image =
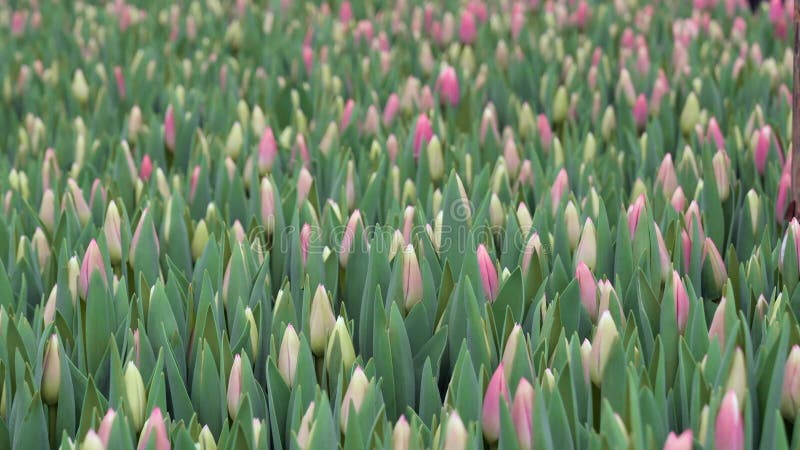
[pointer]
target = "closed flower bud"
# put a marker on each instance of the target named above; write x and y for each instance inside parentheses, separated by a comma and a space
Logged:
(135, 397)
(488, 273)
(155, 429)
(722, 164)
(111, 230)
(234, 396)
(81, 207)
(287, 356)
(304, 432)
(447, 86)
(435, 159)
(268, 206)
(640, 112)
(560, 187)
(522, 414)
(349, 237)
(51, 371)
(679, 442)
(515, 342)
(729, 426)
(47, 210)
(92, 261)
(737, 376)
(354, 396)
(49, 313)
(681, 301)
(717, 328)
(104, 430)
(490, 417)
(80, 88)
(412, 278)
(794, 231)
(401, 435)
(587, 247)
(761, 150)
(423, 133)
(608, 299)
(573, 226)
(714, 270)
(781, 201)
(690, 116)
(608, 123)
(790, 393)
(42, 247)
(267, 151)
(588, 289)
(496, 214)
(560, 105)
(604, 339)
(456, 435)
(678, 200)
(340, 336)
(321, 321)
(205, 440)
(199, 240)
(169, 129)
(73, 276)
(92, 442)
(634, 213)
(524, 218)
(667, 178)
(534, 246)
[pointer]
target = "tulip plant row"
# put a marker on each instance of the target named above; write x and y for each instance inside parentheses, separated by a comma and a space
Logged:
(512, 224)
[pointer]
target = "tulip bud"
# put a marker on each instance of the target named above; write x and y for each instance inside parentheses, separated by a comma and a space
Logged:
(42, 247)
(572, 222)
(640, 112)
(322, 321)
(92, 442)
(663, 253)
(488, 273)
(235, 387)
(340, 336)
(169, 129)
(761, 150)
(199, 240)
(435, 159)
(456, 436)
(560, 105)
(794, 230)
(135, 397)
(49, 313)
(267, 151)
(522, 414)
(47, 210)
(205, 440)
(80, 88)
(513, 343)
(304, 432)
(717, 328)
(678, 200)
(81, 207)
(111, 230)
(496, 213)
(679, 442)
(634, 213)
(722, 165)
(737, 377)
(681, 301)
(412, 278)
(348, 239)
(560, 186)
(268, 205)
(729, 426)
(714, 271)
(784, 190)
(447, 86)
(423, 133)
(155, 427)
(524, 218)
(92, 261)
(790, 399)
(490, 416)
(690, 116)
(588, 289)
(667, 178)
(73, 275)
(534, 246)
(604, 339)
(287, 356)
(401, 435)
(51, 371)
(356, 390)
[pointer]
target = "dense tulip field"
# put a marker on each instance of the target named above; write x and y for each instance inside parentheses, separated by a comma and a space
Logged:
(410, 224)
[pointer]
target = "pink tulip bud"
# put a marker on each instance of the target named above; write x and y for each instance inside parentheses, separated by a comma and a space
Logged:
(423, 133)
(456, 435)
(686, 246)
(169, 129)
(729, 426)
(678, 200)
(588, 289)
(517, 22)
(560, 186)
(288, 354)
(488, 273)
(447, 86)
(345, 12)
(790, 395)
(545, 133)
(467, 30)
(714, 133)
(372, 121)
(155, 427)
(762, 148)
(666, 177)
(348, 239)
(522, 414)
(781, 203)
(354, 396)
(693, 217)
(390, 109)
(426, 101)
(305, 241)
(392, 147)
(104, 431)
(18, 22)
(347, 113)
(717, 328)
(634, 214)
(679, 442)
(794, 230)
(681, 301)
(267, 151)
(119, 77)
(308, 58)
(412, 278)
(304, 181)
(712, 257)
(235, 387)
(640, 111)
(92, 261)
(81, 207)
(496, 391)
(146, 168)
